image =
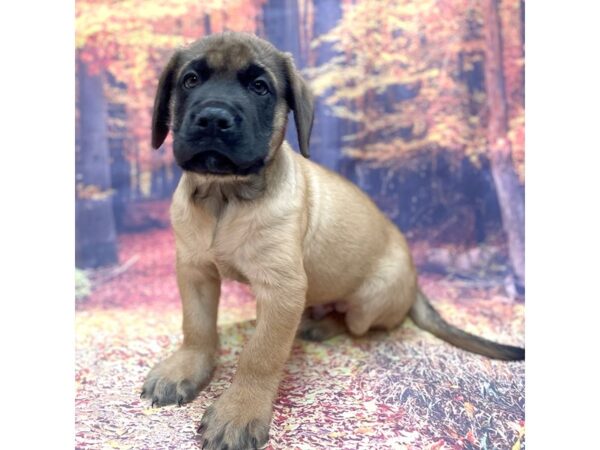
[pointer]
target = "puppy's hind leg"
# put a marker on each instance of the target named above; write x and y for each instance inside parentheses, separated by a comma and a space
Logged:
(322, 329)
(383, 300)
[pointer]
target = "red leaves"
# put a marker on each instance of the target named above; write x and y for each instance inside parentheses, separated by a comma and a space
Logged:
(149, 282)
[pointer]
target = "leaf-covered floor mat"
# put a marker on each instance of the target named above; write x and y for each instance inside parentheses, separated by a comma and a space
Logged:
(399, 390)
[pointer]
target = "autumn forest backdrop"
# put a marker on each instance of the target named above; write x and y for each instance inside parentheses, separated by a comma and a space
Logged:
(421, 103)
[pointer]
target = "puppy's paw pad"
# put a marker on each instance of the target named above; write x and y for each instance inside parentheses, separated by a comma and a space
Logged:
(314, 334)
(320, 330)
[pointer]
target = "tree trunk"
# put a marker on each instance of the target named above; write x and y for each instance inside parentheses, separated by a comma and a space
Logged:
(95, 235)
(121, 180)
(281, 21)
(326, 137)
(508, 188)
(120, 169)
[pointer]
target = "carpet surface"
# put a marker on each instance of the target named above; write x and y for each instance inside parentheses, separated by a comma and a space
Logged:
(399, 390)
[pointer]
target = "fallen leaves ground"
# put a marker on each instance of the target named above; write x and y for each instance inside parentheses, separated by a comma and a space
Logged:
(399, 390)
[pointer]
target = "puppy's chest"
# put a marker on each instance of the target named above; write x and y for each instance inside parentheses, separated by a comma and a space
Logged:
(228, 272)
(225, 241)
(231, 249)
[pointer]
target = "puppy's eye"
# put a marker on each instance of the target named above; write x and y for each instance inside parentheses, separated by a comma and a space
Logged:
(190, 80)
(259, 87)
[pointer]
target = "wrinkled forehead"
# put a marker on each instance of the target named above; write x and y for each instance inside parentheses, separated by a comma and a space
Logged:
(231, 56)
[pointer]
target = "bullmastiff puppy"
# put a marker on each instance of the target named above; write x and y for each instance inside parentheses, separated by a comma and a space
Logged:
(248, 208)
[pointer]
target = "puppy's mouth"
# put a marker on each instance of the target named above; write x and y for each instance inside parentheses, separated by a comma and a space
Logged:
(215, 163)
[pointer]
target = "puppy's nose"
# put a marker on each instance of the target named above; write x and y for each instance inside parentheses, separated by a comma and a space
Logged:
(214, 119)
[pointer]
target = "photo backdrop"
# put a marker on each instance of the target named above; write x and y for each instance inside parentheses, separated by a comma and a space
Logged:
(420, 103)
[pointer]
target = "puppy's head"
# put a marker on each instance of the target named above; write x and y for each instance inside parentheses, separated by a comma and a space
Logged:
(226, 98)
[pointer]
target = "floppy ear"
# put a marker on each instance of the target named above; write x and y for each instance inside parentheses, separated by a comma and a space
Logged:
(161, 114)
(300, 100)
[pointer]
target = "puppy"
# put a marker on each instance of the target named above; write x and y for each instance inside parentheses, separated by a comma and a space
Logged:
(248, 208)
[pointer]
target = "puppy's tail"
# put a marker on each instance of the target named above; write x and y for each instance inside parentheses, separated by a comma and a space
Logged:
(427, 318)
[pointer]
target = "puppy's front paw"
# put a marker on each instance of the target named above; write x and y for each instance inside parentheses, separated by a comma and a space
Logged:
(179, 378)
(236, 421)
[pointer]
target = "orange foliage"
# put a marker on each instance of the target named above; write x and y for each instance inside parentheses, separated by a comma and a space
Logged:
(423, 46)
